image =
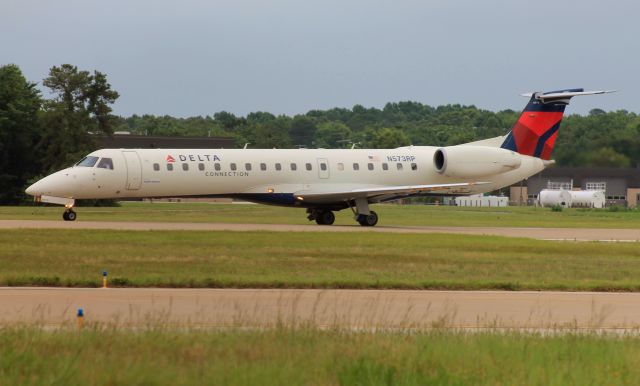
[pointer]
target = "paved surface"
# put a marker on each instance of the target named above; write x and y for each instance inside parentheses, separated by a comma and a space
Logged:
(323, 308)
(577, 234)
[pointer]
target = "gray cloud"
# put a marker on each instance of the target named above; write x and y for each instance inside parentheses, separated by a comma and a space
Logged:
(285, 56)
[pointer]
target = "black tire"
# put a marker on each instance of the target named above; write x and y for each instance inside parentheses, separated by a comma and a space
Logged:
(368, 220)
(325, 218)
(71, 216)
(64, 215)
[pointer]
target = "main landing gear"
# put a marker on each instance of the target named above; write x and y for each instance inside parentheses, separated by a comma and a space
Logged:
(322, 217)
(69, 215)
(367, 220)
(361, 213)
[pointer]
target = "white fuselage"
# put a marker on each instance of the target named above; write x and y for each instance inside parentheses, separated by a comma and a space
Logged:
(267, 175)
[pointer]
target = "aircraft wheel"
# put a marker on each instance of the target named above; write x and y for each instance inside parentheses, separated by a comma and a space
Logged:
(325, 218)
(368, 220)
(69, 215)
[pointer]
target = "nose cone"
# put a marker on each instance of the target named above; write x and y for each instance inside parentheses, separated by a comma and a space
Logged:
(60, 184)
(33, 189)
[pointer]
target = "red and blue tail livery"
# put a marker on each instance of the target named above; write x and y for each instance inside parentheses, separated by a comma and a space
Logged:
(537, 128)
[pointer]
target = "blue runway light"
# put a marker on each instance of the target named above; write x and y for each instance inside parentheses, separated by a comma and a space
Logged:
(80, 318)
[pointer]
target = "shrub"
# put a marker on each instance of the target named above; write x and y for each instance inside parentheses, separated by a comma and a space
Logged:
(556, 208)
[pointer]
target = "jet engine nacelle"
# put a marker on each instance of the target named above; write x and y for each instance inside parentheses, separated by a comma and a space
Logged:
(474, 161)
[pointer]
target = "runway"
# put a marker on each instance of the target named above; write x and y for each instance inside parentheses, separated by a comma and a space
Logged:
(566, 234)
(360, 309)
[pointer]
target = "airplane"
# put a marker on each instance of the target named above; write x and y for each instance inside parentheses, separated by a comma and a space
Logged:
(320, 180)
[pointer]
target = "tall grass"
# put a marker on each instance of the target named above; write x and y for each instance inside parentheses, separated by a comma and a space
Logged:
(283, 356)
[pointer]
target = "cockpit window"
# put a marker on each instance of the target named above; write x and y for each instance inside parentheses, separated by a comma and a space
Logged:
(87, 162)
(106, 163)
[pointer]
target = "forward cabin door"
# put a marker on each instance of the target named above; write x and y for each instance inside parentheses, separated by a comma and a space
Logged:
(134, 170)
(323, 168)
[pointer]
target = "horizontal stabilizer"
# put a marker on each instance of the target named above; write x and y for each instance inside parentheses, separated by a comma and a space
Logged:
(563, 95)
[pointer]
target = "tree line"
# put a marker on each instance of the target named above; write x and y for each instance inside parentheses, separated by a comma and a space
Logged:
(39, 135)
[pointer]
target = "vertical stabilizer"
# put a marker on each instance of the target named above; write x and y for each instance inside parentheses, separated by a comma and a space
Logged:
(537, 128)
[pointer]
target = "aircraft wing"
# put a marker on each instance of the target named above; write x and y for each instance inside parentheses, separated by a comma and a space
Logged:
(374, 194)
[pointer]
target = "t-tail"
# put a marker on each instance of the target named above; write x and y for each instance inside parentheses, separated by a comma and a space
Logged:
(537, 128)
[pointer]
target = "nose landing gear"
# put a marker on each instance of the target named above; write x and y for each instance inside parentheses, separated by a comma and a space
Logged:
(69, 215)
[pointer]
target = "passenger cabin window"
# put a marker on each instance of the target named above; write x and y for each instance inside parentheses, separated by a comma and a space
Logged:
(308, 166)
(370, 166)
(278, 166)
(385, 166)
(340, 166)
(216, 166)
(294, 166)
(263, 166)
(87, 162)
(156, 167)
(323, 166)
(232, 166)
(247, 166)
(185, 166)
(106, 163)
(169, 167)
(201, 166)
(399, 166)
(414, 166)
(356, 166)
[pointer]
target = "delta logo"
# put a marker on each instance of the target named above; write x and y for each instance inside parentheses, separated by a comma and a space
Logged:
(194, 157)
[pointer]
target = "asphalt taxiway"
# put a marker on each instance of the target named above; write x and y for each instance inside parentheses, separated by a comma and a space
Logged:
(384, 309)
(569, 234)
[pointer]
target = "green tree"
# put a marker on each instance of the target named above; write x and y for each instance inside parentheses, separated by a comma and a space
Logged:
(389, 138)
(19, 132)
(605, 157)
(80, 107)
(303, 130)
(228, 121)
(333, 135)
(272, 133)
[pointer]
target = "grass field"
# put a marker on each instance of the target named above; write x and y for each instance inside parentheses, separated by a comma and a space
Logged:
(304, 355)
(312, 260)
(30, 356)
(407, 215)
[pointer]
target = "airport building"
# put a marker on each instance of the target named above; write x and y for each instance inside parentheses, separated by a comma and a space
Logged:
(123, 140)
(621, 186)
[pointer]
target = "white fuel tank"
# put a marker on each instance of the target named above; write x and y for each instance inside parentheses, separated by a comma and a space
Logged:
(549, 198)
(588, 199)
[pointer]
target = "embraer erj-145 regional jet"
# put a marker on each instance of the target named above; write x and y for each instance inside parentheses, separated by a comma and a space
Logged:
(320, 180)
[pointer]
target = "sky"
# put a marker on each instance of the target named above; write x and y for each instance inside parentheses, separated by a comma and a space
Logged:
(196, 57)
